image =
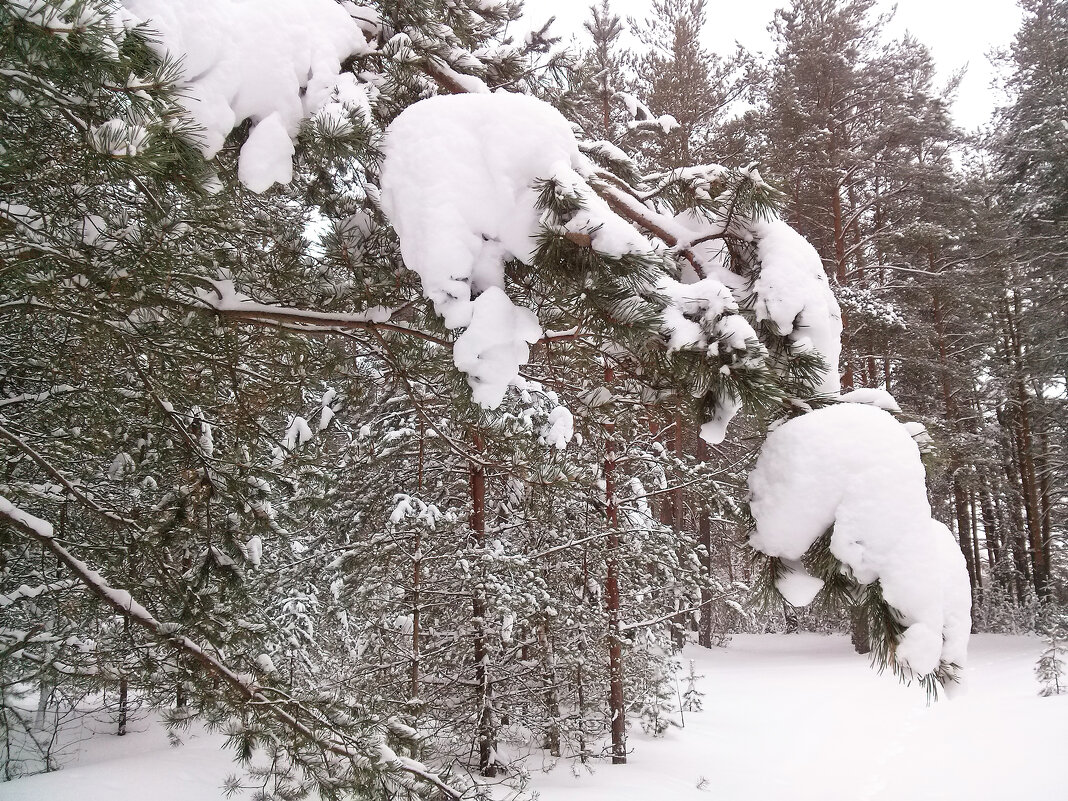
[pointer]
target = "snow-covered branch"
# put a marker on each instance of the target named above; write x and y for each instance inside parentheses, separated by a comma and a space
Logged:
(123, 602)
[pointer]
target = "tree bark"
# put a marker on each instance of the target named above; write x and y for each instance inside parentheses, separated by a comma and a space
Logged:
(616, 704)
(485, 727)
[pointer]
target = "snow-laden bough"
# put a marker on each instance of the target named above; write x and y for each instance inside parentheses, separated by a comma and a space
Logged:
(856, 471)
(460, 184)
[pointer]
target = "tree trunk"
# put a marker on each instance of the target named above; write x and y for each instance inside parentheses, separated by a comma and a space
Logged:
(842, 276)
(704, 530)
(485, 727)
(616, 705)
(552, 698)
(859, 633)
(417, 569)
(124, 688)
(1026, 453)
(992, 532)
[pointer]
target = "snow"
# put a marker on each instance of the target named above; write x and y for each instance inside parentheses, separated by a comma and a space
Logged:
(714, 431)
(796, 585)
(275, 62)
(919, 434)
(267, 155)
(458, 185)
(795, 717)
(693, 311)
(792, 294)
(494, 345)
(254, 550)
(559, 429)
(856, 468)
(42, 527)
(327, 413)
(801, 718)
(225, 297)
(142, 764)
(641, 117)
(118, 137)
(297, 433)
(265, 664)
(879, 398)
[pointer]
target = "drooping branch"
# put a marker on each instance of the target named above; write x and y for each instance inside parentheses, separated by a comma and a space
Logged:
(123, 602)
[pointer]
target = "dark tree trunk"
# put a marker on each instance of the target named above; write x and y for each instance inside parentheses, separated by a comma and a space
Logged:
(704, 530)
(616, 704)
(124, 690)
(486, 728)
(859, 632)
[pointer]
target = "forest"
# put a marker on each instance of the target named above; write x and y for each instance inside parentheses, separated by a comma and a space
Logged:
(396, 396)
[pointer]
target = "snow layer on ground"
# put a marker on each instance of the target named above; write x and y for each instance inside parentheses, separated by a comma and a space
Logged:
(138, 766)
(275, 62)
(786, 718)
(856, 468)
(801, 718)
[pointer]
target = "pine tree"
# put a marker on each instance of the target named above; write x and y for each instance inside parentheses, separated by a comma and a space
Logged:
(240, 451)
(678, 76)
(1051, 669)
(1028, 148)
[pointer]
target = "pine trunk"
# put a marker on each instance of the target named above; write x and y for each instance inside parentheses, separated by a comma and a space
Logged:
(485, 727)
(616, 705)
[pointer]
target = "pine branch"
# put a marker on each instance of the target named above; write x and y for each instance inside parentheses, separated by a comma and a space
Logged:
(123, 602)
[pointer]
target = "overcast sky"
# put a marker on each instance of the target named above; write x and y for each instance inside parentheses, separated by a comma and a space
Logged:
(959, 33)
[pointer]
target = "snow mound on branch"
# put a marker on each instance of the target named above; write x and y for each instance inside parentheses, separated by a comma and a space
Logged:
(854, 467)
(458, 185)
(879, 398)
(793, 295)
(275, 62)
(791, 292)
(797, 585)
(559, 428)
(693, 310)
(494, 345)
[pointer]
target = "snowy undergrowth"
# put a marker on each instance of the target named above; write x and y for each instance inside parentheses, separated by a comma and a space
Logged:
(780, 720)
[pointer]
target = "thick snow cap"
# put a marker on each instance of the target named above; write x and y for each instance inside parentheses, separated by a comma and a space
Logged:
(458, 185)
(854, 467)
(275, 62)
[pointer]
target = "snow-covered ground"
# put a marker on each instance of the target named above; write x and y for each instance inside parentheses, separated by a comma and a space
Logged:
(791, 717)
(799, 717)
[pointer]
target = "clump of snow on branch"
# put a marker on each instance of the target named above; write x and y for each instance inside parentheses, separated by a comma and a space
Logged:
(854, 467)
(458, 184)
(879, 398)
(642, 118)
(275, 62)
(792, 295)
(559, 428)
(494, 345)
(695, 310)
(461, 183)
(790, 292)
